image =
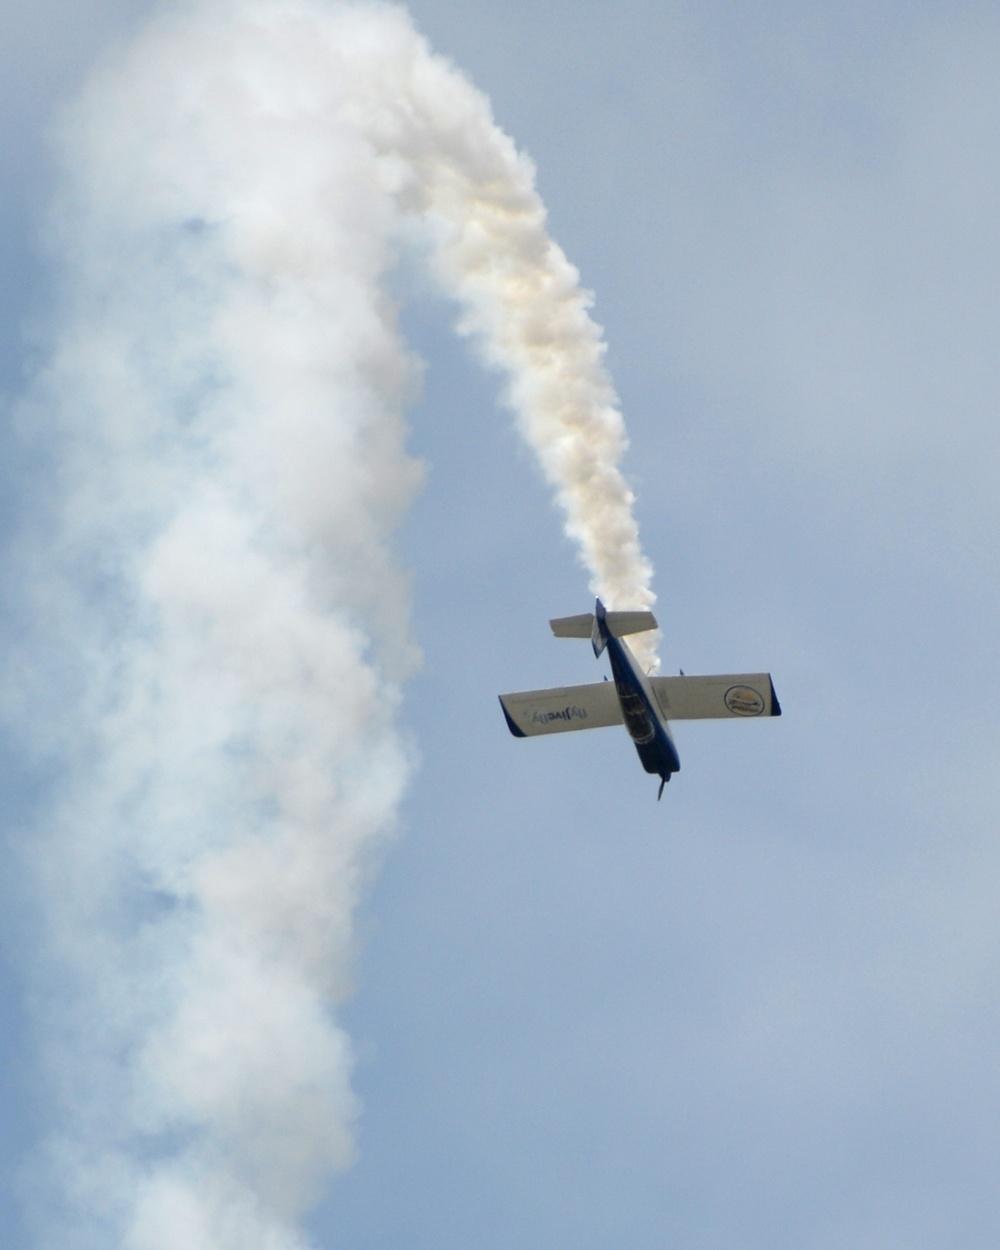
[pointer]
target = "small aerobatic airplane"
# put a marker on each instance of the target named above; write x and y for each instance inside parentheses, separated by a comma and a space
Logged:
(645, 705)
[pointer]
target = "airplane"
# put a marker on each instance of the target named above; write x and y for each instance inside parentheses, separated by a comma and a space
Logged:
(645, 705)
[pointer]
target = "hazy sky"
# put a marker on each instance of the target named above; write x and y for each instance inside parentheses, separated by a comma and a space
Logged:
(761, 1013)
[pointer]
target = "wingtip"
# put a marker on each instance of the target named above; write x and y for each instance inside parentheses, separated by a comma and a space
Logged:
(511, 725)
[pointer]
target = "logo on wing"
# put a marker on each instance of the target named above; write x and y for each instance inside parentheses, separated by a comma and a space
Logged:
(571, 712)
(744, 701)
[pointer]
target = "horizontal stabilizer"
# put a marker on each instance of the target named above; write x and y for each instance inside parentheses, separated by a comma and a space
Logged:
(533, 712)
(719, 697)
(622, 623)
(619, 624)
(573, 626)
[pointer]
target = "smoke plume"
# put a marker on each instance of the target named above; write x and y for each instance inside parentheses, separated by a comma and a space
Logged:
(225, 628)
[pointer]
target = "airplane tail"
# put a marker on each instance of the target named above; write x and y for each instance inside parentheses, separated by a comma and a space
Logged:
(600, 624)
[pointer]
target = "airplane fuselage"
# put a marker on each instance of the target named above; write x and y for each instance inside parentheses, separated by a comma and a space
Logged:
(647, 728)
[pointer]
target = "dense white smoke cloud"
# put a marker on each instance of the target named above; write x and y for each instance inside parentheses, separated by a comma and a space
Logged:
(227, 389)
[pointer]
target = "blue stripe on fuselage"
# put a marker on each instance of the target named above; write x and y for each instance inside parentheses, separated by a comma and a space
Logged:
(658, 755)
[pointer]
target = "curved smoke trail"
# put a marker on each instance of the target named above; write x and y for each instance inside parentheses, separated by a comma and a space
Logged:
(227, 386)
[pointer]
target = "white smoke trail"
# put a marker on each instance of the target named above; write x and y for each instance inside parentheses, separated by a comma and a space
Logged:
(523, 302)
(227, 389)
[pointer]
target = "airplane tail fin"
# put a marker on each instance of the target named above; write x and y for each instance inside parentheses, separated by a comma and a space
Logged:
(599, 625)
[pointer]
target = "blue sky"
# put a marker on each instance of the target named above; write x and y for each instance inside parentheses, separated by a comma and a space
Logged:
(760, 1013)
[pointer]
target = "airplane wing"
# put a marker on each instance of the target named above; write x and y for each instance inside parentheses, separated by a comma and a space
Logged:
(563, 708)
(723, 696)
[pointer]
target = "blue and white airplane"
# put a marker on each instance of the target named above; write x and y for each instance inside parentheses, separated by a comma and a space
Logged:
(644, 704)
